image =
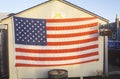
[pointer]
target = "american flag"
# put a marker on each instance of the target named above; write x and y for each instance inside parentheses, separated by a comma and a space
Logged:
(55, 42)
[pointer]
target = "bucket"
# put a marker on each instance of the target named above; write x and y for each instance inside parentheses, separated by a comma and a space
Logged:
(58, 74)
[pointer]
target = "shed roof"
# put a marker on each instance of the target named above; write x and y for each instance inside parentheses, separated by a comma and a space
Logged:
(67, 3)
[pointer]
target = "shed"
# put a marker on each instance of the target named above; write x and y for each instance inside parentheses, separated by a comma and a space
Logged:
(53, 9)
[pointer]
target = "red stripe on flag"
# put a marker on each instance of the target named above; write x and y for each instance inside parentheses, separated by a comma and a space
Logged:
(72, 42)
(69, 19)
(72, 27)
(56, 58)
(56, 51)
(47, 65)
(71, 35)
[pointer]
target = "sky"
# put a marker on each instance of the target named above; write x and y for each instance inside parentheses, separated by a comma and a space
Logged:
(105, 8)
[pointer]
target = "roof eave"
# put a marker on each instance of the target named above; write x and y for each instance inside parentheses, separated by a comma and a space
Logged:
(25, 10)
(68, 3)
(84, 10)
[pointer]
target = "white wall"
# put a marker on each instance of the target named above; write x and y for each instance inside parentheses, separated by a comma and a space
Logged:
(48, 10)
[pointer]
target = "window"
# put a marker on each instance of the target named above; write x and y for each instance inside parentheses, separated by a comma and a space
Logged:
(4, 66)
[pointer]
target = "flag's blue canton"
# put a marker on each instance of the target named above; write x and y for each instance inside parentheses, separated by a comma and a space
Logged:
(30, 31)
